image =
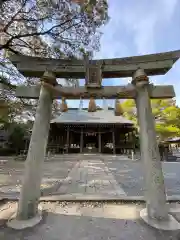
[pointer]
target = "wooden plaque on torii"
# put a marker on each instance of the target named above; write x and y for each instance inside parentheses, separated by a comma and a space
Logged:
(93, 74)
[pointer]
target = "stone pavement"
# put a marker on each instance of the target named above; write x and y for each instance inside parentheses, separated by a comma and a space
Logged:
(113, 179)
(11, 176)
(89, 221)
(93, 177)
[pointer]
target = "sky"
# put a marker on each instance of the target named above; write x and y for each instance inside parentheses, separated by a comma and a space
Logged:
(138, 27)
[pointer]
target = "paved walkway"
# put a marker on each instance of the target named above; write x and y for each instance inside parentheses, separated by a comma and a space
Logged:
(91, 177)
(95, 177)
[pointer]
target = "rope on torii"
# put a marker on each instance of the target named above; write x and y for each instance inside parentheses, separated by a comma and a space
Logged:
(118, 110)
(64, 106)
(92, 105)
(94, 132)
(95, 80)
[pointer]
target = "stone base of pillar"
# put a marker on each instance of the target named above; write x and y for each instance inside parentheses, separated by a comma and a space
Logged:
(23, 224)
(170, 224)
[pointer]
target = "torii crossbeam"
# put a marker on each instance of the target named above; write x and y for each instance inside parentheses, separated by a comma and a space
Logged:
(153, 64)
(109, 92)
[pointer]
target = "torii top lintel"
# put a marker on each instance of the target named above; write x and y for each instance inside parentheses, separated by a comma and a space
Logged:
(153, 64)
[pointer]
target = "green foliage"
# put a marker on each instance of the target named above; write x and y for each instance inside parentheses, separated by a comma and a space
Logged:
(18, 131)
(165, 131)
(129, 108)
(166, 114)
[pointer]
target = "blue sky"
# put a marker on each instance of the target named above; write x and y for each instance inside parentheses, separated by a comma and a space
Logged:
(138, 27)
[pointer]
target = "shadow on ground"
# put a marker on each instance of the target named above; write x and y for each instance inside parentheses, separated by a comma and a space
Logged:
(80, 221)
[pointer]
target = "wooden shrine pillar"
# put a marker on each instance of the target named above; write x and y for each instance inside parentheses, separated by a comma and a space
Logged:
(99, 142)
(156, 207)
(30, 192)
(67, 140)
(81, 141)
(113, 141)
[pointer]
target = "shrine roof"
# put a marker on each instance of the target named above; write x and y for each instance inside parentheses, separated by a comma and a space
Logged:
(85, 117)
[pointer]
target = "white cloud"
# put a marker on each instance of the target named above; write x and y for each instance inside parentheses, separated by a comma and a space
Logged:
(145, 21)
(134, 29)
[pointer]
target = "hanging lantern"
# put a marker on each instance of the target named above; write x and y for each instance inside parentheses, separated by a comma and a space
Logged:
(92, 105)
(64, 107)
(118, 111)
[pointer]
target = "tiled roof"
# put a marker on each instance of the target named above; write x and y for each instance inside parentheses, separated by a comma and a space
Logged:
(82, 116)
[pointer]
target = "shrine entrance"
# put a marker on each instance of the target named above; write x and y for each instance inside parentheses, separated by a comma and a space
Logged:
(90, 142)
(140, 89)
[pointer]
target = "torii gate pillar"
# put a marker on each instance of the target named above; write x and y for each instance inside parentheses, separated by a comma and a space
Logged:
(30, 192)
(156, 211)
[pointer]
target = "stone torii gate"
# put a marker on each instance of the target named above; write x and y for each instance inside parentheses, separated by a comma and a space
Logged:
(139, 68)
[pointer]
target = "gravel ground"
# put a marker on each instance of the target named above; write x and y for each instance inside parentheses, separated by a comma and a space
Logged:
(87, 220)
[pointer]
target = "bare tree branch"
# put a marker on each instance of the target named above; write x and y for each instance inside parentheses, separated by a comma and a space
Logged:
(41, 28)
(13, 17)
(7, 44)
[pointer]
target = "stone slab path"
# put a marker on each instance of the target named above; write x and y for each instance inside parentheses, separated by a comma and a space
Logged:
(88, 177)
(91, 177)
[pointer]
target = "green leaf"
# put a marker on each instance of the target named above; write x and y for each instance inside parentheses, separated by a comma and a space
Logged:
(166, 113)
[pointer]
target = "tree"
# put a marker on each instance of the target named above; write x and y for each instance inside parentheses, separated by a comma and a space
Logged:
(18, 131)
(129, 109)
(51, 28)
(46, 28)
(167, 118)
(166, 114)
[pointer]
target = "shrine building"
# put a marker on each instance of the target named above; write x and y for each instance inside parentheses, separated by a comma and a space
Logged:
(83, 131)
